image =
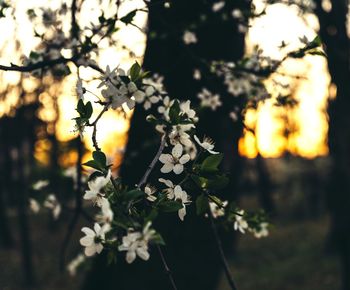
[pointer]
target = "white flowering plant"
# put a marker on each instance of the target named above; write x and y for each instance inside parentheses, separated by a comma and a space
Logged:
(185, 172)
(177, 178)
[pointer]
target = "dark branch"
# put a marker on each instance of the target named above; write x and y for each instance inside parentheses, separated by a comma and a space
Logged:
(221, 250)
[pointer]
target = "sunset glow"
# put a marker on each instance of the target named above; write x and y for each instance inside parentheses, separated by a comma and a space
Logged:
(309, 140)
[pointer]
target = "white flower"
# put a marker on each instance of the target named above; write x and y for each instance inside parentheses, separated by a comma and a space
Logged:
(216, 210)
(178, 135)
(186, 109)
(94, 193)
(183, 197)
(209, 100)
(262, 232)
(218, 6)
(34, 205)
(52, 204)
(93, 239)
(240, 223)
(189, 37)
(106, 215)
(164, 109)
(74, 264)
(197, 74)
(207, 144)
(233, 116)
(237, 14)
(174, 161)
(170, 187)
(136, 244)
(149, 190)
(40, 184)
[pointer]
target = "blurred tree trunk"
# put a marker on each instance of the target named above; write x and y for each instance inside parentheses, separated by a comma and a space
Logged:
(5, 167)
(190, 250)
(265, 186)
(333, 32)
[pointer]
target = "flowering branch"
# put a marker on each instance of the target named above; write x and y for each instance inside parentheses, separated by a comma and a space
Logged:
(153, 162)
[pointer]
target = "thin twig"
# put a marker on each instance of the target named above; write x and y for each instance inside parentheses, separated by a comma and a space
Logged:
(153, 162)
(166, 268)
(221, 251)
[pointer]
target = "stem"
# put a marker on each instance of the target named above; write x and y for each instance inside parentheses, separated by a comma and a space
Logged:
(94, 125)
(166, 268)
(153, 162)
(221, 251)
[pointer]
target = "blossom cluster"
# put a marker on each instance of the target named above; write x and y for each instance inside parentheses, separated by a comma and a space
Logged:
(184, 159)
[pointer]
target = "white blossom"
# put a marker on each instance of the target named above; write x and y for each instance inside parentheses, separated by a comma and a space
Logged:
(149, 190)
(237, 14)
(240, 224)
(40, 184)
(136, 243)
(34, 205)
(178, 135)
(164, 109)
(94, 193)
(209, 100)
(216, 210)
(106, 215)
(170, 187)
(189, 37)
(174, 161)
(207, 144)
(74, 264)
(218, 6)
(52, 204)
(186, 110)
(93, 239)
(182, 196)
(262, 232)
(197, 74)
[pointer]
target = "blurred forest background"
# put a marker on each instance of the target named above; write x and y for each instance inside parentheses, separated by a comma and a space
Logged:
(293, 161)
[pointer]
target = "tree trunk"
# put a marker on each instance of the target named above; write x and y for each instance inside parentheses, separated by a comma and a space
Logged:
(190, 249)
(334, 34)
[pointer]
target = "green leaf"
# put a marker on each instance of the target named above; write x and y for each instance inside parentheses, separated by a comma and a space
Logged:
(200, 181)
(88, 110)
(81, 107)
(93, 164)
(152, 215)
(202, 206)
(317, 52)
(211, 163)
(158, 239)
(128, 18)
(95, 175)
(316, 41)
(135, 71)
(170, 206)
(174, 112)
(133, 194)
(100, 158)
(218, 182)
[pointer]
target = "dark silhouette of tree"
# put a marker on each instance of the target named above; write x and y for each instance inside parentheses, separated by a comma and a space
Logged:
(190, 250)
(333, 31)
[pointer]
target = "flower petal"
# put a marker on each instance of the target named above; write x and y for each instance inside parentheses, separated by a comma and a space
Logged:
(184, 159)
(167, 167)
(177, 150)
(178, 168)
